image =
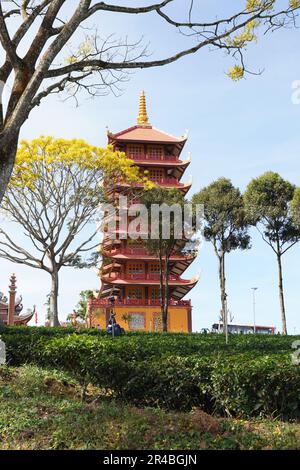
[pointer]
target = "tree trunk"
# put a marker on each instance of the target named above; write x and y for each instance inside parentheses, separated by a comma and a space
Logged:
(7, 160)
(53, 304)
(222, 280)
(166, 310)
(161, 288)
(281, 294)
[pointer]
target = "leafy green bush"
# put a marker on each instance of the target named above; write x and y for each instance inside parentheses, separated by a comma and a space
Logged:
(264, 386)
(251, 376)
(47, 331)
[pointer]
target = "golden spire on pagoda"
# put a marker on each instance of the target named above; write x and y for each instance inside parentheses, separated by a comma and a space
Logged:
(143, 119)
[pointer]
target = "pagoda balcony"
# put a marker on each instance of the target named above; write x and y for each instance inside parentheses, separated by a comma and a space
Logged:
(153, 158)
(140, 278)
(131, 251)
(113, 198)
(169, 182)
(134, 252)
(139, 302)
(123, 234)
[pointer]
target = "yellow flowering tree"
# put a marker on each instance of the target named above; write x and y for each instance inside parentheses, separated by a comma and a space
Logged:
(264, 12)
(45, 48)
(54, 196)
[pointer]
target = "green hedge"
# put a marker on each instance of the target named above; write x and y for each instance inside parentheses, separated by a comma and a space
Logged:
(249, 377)
(261, 386)
(47, 331)
(178, 343)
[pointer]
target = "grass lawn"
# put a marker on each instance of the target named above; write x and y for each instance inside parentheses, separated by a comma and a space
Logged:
(42, 409)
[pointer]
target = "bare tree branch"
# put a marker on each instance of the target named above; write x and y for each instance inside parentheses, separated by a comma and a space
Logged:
(7, 43)
(101, 69)
(101, 6)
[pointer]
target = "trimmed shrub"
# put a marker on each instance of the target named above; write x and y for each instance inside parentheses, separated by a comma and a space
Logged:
(263, 386)
(249, 377)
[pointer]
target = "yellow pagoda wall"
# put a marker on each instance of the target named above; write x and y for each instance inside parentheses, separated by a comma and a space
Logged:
(178, 318)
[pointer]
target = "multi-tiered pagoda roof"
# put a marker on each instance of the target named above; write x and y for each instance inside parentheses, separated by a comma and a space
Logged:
(128, 268)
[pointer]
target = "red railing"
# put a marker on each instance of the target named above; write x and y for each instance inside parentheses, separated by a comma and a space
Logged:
(167, 181)
(147, 157)
(132, 251)
(162, 181)
(142, 252)
(138, 302)
(142, 277)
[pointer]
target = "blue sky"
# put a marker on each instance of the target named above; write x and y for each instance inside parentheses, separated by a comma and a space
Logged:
(238, 130)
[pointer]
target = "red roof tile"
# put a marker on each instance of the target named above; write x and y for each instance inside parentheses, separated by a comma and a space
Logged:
(145, 134)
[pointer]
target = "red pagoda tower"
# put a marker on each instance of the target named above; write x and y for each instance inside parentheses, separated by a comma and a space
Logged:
(129, 273)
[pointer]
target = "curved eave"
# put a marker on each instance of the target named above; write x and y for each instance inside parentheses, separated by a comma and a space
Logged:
(23, 319)
(142, 257)
(184, 187)
(178, 171)
(178, 143)
(180, 243)
(145, 282)
(180, 291)
(177, 291)
(162, 163)
(107, 290)
(111, 267)
(181, 265)
(146, 135)
(109, 242)
(120, 138)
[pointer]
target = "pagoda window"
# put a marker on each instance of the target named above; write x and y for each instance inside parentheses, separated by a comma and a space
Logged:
(156, 174)
(135, 293)
(155, 293)
(135, 243)
(135, 268)
(137, 321)
(154, 268)
(155, 152)
(135, 151)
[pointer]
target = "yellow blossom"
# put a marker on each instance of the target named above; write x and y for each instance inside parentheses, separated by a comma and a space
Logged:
(294, 4)
(46, 153)
(236, 73)
(253, 5)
